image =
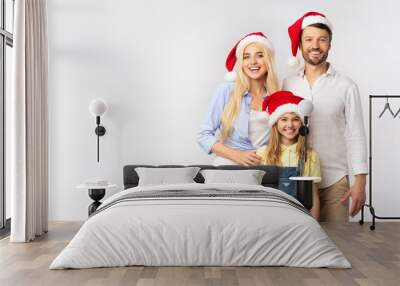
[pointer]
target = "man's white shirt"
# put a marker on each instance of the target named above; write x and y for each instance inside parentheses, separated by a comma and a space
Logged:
(336, 125)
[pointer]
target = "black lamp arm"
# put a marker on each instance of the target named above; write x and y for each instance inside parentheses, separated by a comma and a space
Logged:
(303, 131)
(99, 131)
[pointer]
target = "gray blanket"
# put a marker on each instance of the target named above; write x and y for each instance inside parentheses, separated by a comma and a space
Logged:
(206, 193)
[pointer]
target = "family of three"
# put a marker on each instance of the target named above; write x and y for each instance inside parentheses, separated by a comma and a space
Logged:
(253, 122)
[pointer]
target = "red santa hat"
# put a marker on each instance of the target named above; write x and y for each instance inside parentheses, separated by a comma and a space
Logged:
(295, 30)
(256, 37)
(279, 103)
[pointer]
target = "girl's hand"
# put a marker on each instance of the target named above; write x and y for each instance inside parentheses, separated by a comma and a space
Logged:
(246, 158)
(315, 210)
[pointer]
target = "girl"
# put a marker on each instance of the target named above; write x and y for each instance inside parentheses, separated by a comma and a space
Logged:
(286, 146)
(236, 109)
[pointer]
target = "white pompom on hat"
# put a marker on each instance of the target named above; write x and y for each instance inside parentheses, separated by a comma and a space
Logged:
(256, 37)
(294, 32)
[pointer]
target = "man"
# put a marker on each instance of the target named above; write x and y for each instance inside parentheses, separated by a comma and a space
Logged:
(337, 129)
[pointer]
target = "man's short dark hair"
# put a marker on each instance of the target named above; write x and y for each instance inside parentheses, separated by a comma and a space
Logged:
(319, 26)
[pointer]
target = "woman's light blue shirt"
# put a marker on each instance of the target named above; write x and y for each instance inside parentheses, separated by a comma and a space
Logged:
(239, 137)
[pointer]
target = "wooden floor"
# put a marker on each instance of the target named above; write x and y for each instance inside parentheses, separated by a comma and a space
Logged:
(374, 255)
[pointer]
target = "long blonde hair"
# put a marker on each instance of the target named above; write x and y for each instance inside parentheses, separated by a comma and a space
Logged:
(242, 85)
(273, 152)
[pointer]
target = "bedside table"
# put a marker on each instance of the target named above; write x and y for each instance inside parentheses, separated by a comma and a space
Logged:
(96, 193)
(305, 190)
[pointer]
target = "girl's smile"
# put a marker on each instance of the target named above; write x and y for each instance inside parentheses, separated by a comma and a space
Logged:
(288, 126)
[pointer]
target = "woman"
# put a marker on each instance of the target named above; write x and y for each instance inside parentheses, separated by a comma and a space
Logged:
(235, 126)
(286, 147)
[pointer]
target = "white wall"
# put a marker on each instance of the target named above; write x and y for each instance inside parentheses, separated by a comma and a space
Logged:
(157, 63)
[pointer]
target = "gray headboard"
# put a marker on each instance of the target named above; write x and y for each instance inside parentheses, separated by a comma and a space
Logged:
(270, 178)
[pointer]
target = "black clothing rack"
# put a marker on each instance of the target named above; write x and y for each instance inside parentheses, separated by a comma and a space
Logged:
(369, 205)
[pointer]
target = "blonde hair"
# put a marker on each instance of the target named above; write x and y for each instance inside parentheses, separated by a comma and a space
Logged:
(242, 85)
(273, 152)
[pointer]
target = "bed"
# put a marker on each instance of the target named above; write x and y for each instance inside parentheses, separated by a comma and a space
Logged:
(201, 224)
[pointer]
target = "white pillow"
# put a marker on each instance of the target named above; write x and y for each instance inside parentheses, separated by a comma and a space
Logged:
(165, 176)
(248, 177)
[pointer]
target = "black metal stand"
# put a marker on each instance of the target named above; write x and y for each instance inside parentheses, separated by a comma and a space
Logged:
(305, 193)
(369, 205)
(96, 195)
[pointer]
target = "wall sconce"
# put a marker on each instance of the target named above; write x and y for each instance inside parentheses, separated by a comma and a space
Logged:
(304, 184)
(306, 107)
(97, 108)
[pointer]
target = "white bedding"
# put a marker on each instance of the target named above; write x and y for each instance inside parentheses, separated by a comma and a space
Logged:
(200, 231)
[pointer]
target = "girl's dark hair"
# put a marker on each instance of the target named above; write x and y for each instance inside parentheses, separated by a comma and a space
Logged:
(320, 26)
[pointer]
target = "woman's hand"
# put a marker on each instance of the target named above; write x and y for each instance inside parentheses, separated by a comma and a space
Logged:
(246, 158)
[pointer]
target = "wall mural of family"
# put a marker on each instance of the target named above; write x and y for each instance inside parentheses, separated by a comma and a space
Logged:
(251, 121)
